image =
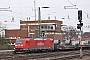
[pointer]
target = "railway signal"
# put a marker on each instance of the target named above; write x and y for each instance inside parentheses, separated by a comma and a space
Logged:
(79, 27)
(80, 15)
(80, 19)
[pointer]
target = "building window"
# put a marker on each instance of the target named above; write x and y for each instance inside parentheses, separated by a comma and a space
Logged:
(45, 26)
(51, 27)
(42, 26)
(48, 27)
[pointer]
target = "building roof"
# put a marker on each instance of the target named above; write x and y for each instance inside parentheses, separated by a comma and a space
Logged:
(42, 21)
(32, 22)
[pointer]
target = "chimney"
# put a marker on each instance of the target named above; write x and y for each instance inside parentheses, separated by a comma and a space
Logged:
(29, 18)
(49, 18)
(55, 17)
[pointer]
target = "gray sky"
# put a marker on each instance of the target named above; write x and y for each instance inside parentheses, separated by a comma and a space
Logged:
(21, 9)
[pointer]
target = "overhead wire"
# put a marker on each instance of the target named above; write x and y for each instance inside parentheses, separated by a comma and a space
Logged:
(71, 2)
(29, 15)
(15, 12)
(78, 9)
(51, 12)
(21, 13)
(58, 10)
(87, 26)
(77, 1)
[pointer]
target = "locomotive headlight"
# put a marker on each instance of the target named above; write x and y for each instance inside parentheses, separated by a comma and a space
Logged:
(21, 45)
(15, 45)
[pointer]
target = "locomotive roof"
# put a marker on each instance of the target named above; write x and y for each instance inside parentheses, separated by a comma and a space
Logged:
(39, 38)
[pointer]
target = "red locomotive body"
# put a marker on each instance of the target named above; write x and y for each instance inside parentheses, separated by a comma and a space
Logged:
(22, 44)
(29, 44)
(40, 43)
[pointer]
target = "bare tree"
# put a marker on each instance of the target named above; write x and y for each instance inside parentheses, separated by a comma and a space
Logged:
(69, 32)
(2, 27)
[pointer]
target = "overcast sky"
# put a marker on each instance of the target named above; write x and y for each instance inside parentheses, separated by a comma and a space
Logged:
(21, 9)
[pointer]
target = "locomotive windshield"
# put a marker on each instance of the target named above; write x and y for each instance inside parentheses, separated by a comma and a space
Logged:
(19, 41)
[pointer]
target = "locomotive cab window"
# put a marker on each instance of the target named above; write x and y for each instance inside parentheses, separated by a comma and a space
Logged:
(19, 41)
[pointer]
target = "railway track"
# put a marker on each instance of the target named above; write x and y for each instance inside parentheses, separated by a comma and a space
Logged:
(65, 55)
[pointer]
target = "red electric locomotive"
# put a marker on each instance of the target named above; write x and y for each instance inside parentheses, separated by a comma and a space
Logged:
(34, 44)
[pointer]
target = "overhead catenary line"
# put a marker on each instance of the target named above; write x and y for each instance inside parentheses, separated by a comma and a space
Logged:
(71, 2)
(78, 9)
(49, 13)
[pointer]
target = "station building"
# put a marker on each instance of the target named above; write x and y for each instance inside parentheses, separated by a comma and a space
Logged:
(30, 28)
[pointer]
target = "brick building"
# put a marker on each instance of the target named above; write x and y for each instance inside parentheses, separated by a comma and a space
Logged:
(49, 28)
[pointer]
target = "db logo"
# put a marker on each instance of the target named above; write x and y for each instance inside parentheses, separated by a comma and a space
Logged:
(40, 44)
